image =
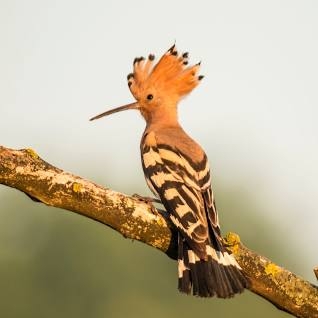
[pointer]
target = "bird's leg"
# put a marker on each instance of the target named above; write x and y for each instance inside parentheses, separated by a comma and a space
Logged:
(148, 200)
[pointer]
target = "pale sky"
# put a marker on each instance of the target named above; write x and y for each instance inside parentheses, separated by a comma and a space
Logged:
(255, 112)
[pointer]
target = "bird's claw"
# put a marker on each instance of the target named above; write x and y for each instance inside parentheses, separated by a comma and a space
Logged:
(148, 200)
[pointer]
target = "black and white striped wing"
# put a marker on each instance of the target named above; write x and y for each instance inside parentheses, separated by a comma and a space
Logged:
(205, 267)
(184, 189)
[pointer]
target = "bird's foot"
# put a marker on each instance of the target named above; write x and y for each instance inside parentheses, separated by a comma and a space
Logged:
(148, 200)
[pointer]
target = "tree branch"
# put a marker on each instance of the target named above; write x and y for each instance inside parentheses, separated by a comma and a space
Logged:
(135, 219)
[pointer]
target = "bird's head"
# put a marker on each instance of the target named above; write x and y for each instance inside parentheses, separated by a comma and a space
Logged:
(158, 88)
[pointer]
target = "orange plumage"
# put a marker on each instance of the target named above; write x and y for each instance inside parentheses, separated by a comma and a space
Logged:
(171, 75)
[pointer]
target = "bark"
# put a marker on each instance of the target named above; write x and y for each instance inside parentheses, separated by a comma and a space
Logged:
(137, 219)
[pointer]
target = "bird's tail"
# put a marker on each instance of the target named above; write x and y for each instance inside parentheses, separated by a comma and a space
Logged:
(219, 275)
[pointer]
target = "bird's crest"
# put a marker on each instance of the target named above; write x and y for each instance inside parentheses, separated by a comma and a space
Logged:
(171, 74)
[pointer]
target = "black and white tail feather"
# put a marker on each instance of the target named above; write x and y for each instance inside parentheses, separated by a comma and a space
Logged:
(205, 267)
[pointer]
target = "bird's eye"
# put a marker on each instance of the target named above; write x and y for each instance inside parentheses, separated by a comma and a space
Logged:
(149, 96)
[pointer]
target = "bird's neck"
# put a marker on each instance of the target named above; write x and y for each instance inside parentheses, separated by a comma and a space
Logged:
(163, 117)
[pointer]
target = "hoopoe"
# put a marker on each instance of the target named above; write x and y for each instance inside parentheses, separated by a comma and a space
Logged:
(177, 171)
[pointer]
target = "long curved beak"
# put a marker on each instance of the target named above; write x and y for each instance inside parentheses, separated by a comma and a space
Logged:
(116, 110)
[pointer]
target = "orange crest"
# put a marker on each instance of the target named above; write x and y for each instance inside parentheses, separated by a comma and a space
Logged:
(170, 75)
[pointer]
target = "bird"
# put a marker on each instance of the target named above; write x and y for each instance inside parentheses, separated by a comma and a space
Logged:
(177, 171)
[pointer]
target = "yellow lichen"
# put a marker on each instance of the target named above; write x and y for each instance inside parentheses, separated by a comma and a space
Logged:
(160, 221)
(233, 240)
(272, 269)
(32, 153)
(77, 187)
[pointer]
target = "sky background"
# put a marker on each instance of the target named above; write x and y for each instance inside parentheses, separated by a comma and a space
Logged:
(255, 113)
